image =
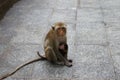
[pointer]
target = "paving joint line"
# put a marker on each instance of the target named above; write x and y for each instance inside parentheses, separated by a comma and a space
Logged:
(106, 31)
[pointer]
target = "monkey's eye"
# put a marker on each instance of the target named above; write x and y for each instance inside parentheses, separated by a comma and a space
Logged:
(58, 28)
(63, 28)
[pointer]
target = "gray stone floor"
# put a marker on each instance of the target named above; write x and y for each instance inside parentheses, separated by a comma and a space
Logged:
(93, 38)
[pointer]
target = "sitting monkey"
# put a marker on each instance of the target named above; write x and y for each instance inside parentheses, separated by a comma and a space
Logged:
(54, 37)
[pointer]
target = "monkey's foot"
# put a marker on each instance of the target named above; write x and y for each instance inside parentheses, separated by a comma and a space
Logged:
(70, 60)
(60, 63)
(69, 64)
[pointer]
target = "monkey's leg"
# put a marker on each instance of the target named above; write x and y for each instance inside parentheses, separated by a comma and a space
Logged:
(66, 52)
(66, 57)
(50, 55)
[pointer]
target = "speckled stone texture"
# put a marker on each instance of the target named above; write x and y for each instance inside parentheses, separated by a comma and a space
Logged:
(93, 35)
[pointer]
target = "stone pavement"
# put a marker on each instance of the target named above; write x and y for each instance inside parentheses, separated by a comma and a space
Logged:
(93, 38)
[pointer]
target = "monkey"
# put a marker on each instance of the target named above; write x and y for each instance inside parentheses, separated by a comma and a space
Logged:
(63, 48)
(54, 37)
(55, 47)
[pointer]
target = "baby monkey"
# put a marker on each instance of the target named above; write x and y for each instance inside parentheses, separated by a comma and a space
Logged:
(63, 48)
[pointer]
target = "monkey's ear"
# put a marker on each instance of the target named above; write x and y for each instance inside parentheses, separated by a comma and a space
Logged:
(53, 27)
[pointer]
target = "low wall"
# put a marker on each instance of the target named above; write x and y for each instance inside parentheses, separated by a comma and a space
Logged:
(5, 5)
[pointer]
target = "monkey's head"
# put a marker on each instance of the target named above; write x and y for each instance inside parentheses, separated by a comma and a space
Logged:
(60, 28)
(63, 46)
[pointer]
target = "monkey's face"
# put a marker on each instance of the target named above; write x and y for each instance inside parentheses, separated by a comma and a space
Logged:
(61, 31)
(60, 28)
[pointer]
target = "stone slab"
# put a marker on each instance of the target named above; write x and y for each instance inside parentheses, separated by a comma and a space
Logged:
(115, 52)
(111, 15)
(63, 15)
(90, 33)
(89, 4)
(114, 35)
(17, 54)
(89, 15)
(93, 62)
(110, 4)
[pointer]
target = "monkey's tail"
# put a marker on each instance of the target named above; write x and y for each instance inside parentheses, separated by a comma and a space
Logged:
(42, 57)
(21, 66)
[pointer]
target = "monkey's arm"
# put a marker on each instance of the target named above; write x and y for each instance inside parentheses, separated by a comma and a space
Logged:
(60, 56)
(21, 66)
